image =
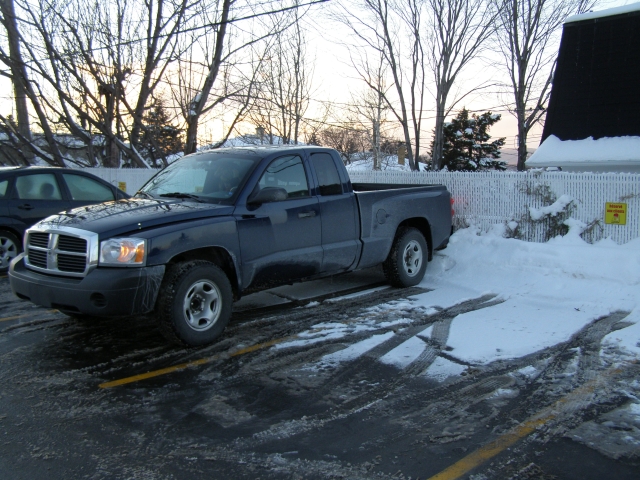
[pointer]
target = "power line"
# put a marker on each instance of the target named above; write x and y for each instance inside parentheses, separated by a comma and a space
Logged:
(190, 29)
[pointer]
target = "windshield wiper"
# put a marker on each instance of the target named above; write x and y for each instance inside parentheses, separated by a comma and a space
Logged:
(144, 194)
(182, 195)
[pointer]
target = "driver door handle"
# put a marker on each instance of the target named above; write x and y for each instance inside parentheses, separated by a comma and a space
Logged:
(307, 214)
(26, 206)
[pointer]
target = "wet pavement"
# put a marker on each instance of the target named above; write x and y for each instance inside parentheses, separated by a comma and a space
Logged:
(276, 398)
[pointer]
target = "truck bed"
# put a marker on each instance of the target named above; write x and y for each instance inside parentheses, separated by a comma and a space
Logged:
(384, 207)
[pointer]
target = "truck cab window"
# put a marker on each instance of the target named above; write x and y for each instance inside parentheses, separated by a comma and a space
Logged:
(328, 177)
(288, 173)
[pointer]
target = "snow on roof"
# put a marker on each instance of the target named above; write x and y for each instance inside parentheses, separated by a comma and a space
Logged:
(604, 13)
(607, 150)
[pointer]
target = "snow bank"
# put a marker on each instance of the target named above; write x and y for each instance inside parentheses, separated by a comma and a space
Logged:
(537, 296)
(549, 291)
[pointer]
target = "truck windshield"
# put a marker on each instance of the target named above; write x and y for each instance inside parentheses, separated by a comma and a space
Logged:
(214, 178)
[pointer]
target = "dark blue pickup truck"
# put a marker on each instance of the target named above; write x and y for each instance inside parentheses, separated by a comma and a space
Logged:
(217, 225)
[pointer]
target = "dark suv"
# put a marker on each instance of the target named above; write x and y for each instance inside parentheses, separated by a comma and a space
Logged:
(29, 194)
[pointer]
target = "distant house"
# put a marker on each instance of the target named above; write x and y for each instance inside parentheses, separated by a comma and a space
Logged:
(593, 120)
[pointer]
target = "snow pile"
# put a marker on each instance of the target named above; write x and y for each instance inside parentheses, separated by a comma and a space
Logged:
(549, 291)
(603, 150)
(537, 294)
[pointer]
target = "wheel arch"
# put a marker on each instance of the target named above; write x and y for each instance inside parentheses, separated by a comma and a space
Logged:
(422, 225)
(14, 231)
(219, 256)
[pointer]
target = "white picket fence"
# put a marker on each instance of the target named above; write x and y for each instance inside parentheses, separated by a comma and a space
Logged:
(128, 179)
(488, 198)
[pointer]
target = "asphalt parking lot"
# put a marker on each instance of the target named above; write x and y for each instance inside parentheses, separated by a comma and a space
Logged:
(283, 395)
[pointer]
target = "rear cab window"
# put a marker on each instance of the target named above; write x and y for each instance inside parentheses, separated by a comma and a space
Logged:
(329, 182)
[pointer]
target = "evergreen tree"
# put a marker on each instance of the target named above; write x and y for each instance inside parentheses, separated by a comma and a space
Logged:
(466, 143)
(160, 138)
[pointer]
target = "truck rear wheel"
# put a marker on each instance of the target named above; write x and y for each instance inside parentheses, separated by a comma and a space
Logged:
(194, 303)
(407, 260)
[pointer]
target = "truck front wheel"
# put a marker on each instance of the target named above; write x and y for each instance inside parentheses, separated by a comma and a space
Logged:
(407, 260)
(194, 303)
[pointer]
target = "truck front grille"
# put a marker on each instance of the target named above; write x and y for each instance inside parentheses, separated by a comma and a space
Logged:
(39, 239)
(72, 244)
(38, 258)
(71, 263)
(60, 252)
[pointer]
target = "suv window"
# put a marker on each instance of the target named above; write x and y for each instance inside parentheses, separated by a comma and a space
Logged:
(84, 188)
(288, 173)
(328, 177)
(42, 186)
(3, 188)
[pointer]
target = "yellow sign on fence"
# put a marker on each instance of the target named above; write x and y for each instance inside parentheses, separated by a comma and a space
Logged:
(615, 213)
(122, 186)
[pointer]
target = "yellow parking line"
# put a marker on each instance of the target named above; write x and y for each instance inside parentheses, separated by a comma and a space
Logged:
(490, 450)
(15, 317)
(480, 456)
(195, 363)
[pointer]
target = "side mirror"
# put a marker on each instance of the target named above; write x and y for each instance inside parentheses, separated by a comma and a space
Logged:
(268, 195)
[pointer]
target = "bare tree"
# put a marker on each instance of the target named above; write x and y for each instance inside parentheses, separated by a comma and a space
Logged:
(345, 139)
(391, 31)
(163, 20)
(200, 100)
(457, 31)
(89, 60)
(526, 34)
(97, 66)
(17, 70)
(371, 108)
(284, 87)
(236, 74)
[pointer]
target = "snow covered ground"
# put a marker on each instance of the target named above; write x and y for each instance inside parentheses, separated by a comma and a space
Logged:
(547, 292)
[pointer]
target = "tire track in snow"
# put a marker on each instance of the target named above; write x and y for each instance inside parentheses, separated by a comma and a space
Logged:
(570, 365)
(367, 363)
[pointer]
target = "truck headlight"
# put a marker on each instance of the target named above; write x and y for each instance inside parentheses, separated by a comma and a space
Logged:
(123, 251)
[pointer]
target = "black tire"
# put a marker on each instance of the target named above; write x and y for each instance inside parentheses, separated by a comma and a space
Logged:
(407, 260)
(194, 303)
(10, 247)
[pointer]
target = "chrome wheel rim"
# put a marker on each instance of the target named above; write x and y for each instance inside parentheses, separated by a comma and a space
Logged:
(412, 258)
(202, 305)
(8, 251)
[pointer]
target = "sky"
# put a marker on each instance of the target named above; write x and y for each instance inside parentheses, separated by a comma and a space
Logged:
(545, 293)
